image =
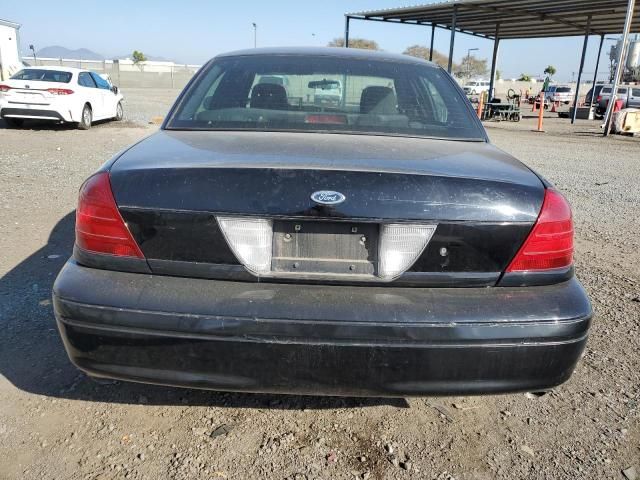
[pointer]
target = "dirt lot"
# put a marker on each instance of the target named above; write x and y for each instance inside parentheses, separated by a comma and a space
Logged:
(55, 423)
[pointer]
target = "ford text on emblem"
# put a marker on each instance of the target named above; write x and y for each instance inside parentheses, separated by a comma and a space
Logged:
(327, 197)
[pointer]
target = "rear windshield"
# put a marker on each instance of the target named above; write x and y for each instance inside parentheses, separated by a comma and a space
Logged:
(42, 75)
(607, 90)
(328, 94)
(563, 90)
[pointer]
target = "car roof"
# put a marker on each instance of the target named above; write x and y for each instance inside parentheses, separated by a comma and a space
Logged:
(56, 68)
(336, 52)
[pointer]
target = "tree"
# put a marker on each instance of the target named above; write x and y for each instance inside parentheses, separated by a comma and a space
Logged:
(498, 75)
(550, 70)
(471, 67)
(524, 77)
(362, 43)
(138, 58)
(613, 61)
(423, 52)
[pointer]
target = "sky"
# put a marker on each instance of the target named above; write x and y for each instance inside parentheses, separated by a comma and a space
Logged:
(192, 31)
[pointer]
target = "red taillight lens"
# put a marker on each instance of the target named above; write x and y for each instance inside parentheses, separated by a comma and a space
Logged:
(59, 91)
(599, 99)
(4, 88)
(327, 119)
(99, 226)
(550, 243)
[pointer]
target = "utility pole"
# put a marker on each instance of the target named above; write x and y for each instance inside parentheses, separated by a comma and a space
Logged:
(255, 35)
(33, 49)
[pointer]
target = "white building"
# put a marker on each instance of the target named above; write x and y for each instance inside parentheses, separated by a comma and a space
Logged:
(9, 49)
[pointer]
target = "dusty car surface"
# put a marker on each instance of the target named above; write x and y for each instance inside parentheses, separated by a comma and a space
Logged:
(379, 245)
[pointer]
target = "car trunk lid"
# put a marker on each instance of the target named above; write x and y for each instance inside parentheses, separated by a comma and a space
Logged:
(480, 203)
(274, 174)
(32, 91)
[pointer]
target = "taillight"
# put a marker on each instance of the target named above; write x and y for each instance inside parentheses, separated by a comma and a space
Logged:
(59, 91)
(99, 225)
(599, 99)
(550, 243)
(4, 88)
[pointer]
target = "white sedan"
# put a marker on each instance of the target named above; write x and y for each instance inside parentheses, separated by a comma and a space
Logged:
(59, 94)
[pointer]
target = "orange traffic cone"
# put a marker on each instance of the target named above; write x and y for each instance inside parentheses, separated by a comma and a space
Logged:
(553, 109)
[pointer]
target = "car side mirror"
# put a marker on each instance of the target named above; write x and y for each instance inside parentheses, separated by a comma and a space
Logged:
(115, 90)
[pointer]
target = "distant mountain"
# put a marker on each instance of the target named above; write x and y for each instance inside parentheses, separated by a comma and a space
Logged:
(56, 51)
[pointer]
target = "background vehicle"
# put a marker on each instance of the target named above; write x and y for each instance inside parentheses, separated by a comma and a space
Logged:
(327, 93)
(560, 93)
(557, 93)
(59, 94)
(476, 87)
(382, 247)
(598, 87)
(633, 98)
(548, 93)
(629, 95)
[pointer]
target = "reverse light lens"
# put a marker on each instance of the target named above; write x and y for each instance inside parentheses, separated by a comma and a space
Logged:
(99, 225)
(59, 91)
(250, 240)
(400, 246)
(550, 243)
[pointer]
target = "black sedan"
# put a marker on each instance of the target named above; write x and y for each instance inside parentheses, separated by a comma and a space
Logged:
(377, 244)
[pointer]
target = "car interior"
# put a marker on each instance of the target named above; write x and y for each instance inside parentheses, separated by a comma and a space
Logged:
(235, 101)
(43, 75)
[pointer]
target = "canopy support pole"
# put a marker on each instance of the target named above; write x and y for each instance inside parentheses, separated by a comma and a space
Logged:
(346, 31)
(595, 75)
(619, 67)
(584, 53)
(454, 18)
(433, 34)
(494, 62)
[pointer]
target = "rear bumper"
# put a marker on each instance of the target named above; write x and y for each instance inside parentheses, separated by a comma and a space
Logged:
(36, 113)
(311, 339)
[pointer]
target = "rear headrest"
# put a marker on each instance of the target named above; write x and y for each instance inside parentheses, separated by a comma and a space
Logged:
(269, 96)
(380, 100)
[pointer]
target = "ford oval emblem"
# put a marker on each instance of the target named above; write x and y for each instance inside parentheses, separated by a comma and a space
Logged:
(327, 197)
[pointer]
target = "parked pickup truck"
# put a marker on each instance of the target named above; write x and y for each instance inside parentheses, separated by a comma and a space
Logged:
(629, 94)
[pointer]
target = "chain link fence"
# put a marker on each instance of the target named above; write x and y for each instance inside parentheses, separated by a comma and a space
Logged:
(126, 74)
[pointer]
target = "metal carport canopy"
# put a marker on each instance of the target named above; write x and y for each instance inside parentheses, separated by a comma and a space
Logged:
(517, 18)
(513, 19)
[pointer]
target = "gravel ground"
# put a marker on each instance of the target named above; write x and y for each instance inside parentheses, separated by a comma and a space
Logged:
(55, 423)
